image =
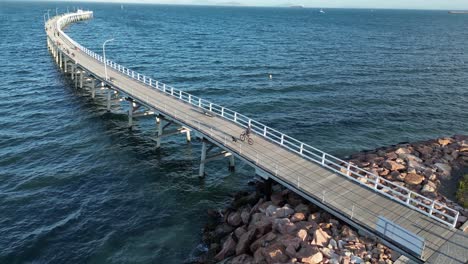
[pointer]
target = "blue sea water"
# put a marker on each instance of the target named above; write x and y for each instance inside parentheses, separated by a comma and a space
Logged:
(76, 186)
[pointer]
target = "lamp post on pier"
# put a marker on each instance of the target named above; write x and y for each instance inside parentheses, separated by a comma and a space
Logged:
(104, 55)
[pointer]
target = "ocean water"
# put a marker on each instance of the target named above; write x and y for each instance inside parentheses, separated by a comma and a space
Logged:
(76, 186)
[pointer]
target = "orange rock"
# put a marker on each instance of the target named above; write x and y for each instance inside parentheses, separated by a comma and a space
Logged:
(321, 238)
(444, 141)
(413, 178)
(298, 217)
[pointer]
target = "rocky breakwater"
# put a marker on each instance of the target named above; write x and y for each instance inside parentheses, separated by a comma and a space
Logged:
(288, 229)
(285, 229)
(423, 167)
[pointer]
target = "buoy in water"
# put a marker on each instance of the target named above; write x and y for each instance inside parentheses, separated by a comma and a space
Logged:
(271, 76)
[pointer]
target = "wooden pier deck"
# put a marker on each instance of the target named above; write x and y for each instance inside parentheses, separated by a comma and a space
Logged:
(355, 203)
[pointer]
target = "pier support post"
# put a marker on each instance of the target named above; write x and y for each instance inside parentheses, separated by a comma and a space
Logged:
(268, 189)
(93, 88)
(187, 134)
(201, 173)
(65, 66)
(76, 77)
(60, 60)
(232, 165)
(81, 79)
(72, 71)
(160, 130)
(130, 116)
(109, 93)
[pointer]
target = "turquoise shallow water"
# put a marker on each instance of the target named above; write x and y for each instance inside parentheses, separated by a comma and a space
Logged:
(77, 186)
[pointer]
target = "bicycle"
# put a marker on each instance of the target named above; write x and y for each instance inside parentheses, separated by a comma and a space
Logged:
(244, 135)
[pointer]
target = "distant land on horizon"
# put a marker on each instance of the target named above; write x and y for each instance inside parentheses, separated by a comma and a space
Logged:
(456, 5)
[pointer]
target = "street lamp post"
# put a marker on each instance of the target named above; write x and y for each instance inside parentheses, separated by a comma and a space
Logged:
(104, 55)
(48, 16)
(45, 18)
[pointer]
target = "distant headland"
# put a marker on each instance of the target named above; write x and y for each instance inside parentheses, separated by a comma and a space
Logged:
(458, 12)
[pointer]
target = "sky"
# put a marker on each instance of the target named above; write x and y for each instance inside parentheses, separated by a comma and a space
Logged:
(397, 4)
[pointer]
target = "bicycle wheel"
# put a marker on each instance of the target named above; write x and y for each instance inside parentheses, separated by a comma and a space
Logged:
(250, 141)
(242, 136)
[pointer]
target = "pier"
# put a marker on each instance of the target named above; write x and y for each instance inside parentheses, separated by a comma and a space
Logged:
(414, 225)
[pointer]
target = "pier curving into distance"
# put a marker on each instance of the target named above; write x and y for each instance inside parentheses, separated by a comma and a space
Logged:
(416, 226)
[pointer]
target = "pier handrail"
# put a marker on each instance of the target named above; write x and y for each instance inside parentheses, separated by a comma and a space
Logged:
(403, 195)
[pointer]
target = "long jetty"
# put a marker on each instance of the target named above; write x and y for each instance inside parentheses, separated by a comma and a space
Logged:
(419, 227)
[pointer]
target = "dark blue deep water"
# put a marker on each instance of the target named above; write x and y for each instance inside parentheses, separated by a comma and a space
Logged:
(76, 186)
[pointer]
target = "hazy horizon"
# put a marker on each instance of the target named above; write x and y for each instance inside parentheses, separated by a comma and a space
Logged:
(396, 4)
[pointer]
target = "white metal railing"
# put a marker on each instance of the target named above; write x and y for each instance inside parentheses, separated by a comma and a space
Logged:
(423, 204)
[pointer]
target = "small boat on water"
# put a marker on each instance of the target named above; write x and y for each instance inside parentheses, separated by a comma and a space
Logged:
(321, 11)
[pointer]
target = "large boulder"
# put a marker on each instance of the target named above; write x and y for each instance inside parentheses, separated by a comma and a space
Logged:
(303, 235)
(306, 252)
(290, 251)
(258, 256)
(229, 248)
(402, 151)
(239, 232)
(302, 208)
(396, 175)
(413, 178)
(294, 199)
(297, 217)
(444, 141)
(275, 253)
(262, 241)
(313, 259)
(271, 210)
(263, 226)
(284, 226)
(418, 165)
(424, 150)
(393, 165)
(283, 212)
(290, 240)
(244, 242)
(245, 216)
(222, 230)
(234, 219)
(243, 259)
(277, 199)
(315, 217)
(429, 188)
(321, 238)
(444, 168)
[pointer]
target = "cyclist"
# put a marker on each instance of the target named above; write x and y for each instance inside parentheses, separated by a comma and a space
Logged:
(248, 130)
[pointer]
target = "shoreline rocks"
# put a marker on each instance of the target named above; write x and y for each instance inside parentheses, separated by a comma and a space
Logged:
(423, 167)
(288, 229)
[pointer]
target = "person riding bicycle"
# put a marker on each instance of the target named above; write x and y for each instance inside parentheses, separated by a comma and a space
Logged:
(248, 130)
